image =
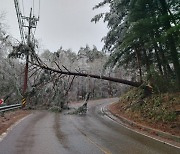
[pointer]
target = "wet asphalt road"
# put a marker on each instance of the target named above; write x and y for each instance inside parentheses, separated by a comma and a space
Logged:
(51, 133)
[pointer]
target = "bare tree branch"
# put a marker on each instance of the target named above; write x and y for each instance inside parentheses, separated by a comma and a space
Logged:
(69, 86)
(65, 68)
(57, 65)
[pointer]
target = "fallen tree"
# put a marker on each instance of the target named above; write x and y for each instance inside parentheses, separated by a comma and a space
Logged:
(67, 72)
(40, 64)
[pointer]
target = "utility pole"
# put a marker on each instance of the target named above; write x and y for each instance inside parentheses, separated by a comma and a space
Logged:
(29, 23)
(27, 56)
(32, 22)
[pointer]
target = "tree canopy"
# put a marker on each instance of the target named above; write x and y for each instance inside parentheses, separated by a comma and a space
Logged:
(143, 36)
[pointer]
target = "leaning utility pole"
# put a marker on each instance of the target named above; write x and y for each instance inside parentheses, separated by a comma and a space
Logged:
(32, 22)
(29, 23)
(27, 56)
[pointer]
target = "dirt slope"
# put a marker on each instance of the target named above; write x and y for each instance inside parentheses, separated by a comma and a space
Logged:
(159, 111)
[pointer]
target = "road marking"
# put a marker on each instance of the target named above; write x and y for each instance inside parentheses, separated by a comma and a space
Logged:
(3, 135)
(103, 149)
(109, 117)
(99, 147)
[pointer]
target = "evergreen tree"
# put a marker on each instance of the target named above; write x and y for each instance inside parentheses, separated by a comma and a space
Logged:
(143, 34)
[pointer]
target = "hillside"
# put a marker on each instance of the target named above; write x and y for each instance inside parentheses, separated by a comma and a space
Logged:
(159, 111)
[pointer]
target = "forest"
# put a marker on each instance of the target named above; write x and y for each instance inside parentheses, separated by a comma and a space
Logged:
(144, 37)
(142, 45)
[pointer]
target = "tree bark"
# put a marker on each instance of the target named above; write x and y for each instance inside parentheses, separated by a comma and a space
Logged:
(158, 61)
(147, 62)
(138, 56)
(127, 82)
(171, 41)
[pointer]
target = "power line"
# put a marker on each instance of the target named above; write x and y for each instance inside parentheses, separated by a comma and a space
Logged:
(33, 7)
(32, 23)
(38, 16)
(39, 8)
(20, 21)
(23, 6)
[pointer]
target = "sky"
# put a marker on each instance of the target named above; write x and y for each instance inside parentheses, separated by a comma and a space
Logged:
(65, 23)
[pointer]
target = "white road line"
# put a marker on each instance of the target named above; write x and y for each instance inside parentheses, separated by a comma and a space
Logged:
(3, 135)
(102, 110)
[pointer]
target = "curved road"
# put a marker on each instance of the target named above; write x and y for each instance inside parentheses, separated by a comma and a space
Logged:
(51, 133)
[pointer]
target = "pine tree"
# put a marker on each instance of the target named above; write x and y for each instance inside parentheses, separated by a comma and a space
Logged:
(143, 34)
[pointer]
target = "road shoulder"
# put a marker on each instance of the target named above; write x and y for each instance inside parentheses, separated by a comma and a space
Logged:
(10, 118)
(159, 135)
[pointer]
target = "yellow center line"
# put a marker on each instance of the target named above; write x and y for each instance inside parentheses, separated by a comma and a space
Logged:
(103, 149)
(106, 151)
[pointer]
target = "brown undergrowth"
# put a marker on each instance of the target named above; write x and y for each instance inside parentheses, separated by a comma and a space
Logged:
(11, 118)
(159, 111)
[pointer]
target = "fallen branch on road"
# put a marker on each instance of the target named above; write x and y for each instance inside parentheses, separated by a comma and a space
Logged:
(82, 109)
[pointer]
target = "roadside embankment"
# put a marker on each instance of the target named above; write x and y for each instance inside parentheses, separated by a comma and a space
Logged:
(10, 118)
(160, 112)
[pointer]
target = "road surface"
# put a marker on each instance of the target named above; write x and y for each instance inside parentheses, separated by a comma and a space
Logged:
(44, 132)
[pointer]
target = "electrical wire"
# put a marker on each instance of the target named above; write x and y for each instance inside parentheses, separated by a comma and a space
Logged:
(19, 17)
(39, 8)
(23, 7)
(21, 20)
(33, 7)
(38, 15)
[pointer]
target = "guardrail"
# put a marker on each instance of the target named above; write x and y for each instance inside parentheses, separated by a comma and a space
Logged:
(9, 107)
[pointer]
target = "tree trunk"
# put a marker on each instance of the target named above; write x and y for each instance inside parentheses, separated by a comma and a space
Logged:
(139, 64)
(158, 61)
(127, 82)
(146, 60)
(171, 41)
